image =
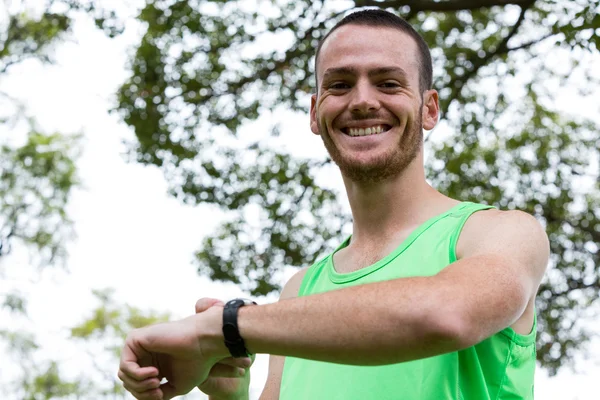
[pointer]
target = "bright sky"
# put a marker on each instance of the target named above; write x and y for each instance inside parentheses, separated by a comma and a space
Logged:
(131, 235)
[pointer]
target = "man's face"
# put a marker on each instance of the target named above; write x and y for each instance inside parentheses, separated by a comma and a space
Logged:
(368, 108)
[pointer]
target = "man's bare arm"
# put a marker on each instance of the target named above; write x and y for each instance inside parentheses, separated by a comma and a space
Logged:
(378, 323)
(411, 318)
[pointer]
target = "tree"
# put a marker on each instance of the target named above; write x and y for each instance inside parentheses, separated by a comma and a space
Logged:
(103, 334)
(32, 379)
(37, 175)
(202, 67)
(37, 169)
(100, 336)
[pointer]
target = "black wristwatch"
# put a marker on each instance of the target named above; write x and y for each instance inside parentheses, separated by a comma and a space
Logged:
(233, 340)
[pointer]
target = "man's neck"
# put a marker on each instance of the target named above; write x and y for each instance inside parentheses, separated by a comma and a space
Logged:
(382, 209)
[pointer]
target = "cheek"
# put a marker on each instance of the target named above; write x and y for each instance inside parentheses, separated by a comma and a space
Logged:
(329, 108)
(404, 113)
(321, 106)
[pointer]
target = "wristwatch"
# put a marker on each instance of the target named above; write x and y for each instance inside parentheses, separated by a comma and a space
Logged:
(233, 340)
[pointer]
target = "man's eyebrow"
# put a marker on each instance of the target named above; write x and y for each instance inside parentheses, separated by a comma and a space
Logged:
(339, 71)
(388, 70)
(374, 72)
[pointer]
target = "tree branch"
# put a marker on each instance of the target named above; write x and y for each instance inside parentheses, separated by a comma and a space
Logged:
(12, 23)
(453, 5)
(502, 48)
(264, 73)
(529, 44)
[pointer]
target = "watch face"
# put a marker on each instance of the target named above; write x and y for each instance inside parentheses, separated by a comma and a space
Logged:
(235, 302)
(239, 302)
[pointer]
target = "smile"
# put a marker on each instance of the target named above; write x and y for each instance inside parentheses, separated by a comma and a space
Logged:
(373, 130)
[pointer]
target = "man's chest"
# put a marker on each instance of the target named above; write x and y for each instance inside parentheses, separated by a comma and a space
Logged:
(353, 258)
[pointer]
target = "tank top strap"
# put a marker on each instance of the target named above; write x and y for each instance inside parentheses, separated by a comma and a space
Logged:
(462, 214)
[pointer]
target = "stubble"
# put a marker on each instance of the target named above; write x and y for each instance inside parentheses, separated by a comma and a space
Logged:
(383, 167)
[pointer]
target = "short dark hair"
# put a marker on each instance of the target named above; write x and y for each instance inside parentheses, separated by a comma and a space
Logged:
(381, 18)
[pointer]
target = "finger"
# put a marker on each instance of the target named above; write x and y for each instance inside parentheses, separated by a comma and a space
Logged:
(139, 386)
(130, 367)
(243, 362)
(206, 302)
(136, 372)
(226, 371)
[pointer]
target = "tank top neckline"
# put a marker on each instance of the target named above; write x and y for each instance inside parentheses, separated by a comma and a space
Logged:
(339, 277)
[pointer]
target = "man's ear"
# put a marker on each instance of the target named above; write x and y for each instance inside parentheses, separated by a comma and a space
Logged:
(314, 125)
(431, 109)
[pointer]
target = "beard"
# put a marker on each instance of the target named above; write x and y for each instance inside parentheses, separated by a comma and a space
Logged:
(383, 167)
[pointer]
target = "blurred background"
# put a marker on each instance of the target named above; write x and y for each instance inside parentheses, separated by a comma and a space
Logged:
(155, 152)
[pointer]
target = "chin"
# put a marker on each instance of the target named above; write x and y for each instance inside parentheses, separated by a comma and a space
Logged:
(370, 172)
(375, 169)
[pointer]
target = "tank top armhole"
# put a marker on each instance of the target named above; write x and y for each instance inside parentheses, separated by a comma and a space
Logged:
(466, 212)
(520, 339)
(305, 280)
(318, 266)
(309, 274)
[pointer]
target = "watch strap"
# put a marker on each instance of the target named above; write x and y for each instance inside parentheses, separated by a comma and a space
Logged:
(231, 332)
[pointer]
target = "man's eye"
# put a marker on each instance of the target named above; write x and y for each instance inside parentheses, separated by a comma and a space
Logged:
(339, 85)
(389, 85)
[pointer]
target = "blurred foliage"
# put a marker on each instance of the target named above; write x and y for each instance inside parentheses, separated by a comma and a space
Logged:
(37, 176)
(113, 319)
(35, 182)
(33, 379)
(103, 333)
(37, 173)
(37, 170)
(99, 338)
(203, 69)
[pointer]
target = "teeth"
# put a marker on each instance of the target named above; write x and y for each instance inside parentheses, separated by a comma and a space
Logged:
(365, 132)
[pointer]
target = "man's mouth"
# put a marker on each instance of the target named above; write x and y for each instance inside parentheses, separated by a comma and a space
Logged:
(372, 130)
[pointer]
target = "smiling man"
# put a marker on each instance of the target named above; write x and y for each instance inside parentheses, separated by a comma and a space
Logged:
(430, 298)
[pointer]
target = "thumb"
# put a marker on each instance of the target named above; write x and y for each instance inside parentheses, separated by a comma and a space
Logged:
(206, 302)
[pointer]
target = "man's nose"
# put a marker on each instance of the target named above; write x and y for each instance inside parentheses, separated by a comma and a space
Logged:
(364, 99)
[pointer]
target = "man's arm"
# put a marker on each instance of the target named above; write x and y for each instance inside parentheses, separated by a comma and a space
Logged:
(273, 384)
(485, 291)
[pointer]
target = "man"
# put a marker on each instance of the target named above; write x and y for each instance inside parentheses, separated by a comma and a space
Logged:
(430, 298)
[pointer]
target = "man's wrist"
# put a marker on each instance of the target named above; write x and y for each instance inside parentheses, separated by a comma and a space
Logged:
(210, 332)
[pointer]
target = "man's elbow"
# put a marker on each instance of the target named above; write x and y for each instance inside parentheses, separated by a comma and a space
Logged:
(452, 331)
(462, 330)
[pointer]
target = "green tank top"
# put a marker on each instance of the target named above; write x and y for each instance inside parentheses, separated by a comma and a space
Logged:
(499, 368)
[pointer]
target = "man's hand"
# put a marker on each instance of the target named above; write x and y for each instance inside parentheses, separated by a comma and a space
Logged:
(229, 379)
(183, 352)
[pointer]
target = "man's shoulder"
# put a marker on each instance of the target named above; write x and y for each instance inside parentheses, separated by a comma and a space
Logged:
(513, 239)
(502, 231)
(493, 218)
(292, 286)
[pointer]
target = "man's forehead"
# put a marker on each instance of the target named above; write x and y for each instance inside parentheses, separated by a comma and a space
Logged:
(352, 38)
